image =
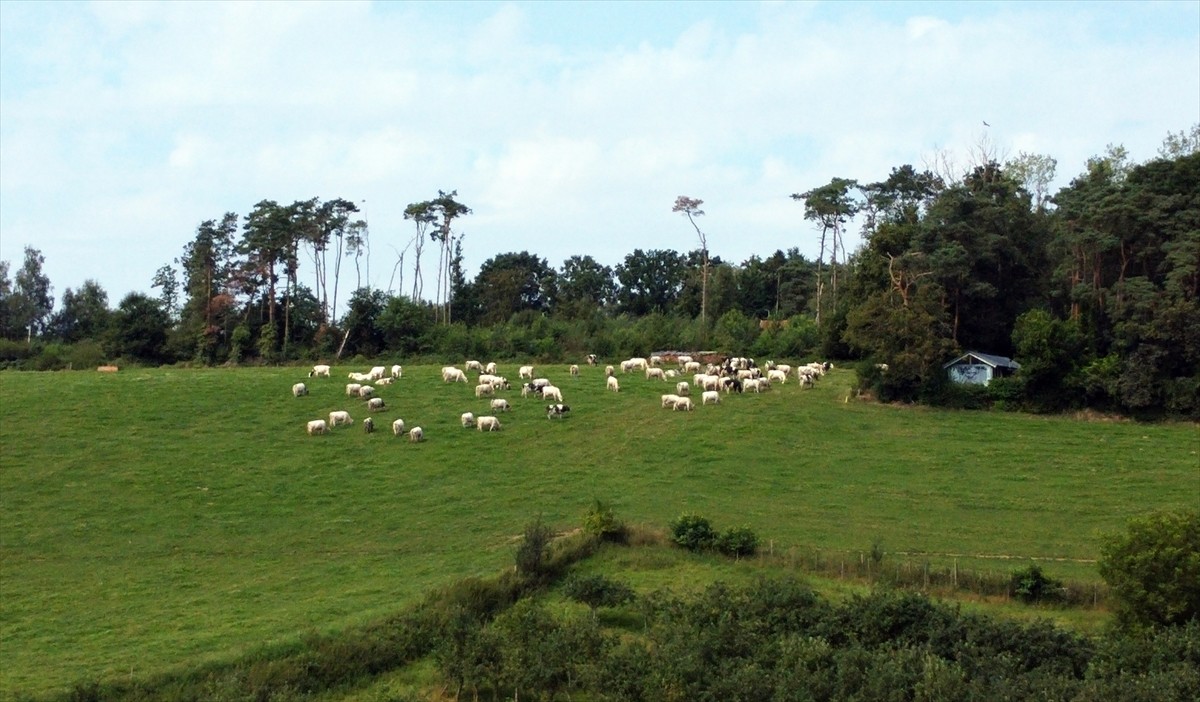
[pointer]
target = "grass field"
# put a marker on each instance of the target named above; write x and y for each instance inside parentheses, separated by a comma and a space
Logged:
(152, 519)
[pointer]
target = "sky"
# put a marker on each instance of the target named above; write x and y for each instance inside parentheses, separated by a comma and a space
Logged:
(568, 128)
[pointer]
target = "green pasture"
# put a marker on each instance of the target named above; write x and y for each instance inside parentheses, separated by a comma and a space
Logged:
(154, 519)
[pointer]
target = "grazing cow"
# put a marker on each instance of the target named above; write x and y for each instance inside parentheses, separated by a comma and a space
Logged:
(369, 425)
(591, 359)
(557, 411)
(319, 371)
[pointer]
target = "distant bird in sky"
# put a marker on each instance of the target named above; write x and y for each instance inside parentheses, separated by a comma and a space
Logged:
(986, 124)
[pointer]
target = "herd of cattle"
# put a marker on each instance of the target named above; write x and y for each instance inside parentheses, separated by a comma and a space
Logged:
(732, 375)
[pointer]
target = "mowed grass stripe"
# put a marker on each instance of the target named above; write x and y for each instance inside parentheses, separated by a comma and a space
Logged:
(154, 518)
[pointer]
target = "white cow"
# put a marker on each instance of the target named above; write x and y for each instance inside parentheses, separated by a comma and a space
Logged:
(416, 434)
(339, 417)
(317, 426)
(397, 371)
(710, 397)
(684, 403)
(319, 370)
(500, 405)
(450, 374)
(299, 390)
(398, 427)
(525, 372)
(487, 423)
(468, 420)
(613, 384)
(550, 392)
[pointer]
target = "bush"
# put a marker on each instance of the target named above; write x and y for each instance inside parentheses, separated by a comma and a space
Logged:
(597, 591)
(693, 532)
(85, 355)
(1030, 585)
(1153, 569)
(737, 542)
(531, 554)
(600, 521)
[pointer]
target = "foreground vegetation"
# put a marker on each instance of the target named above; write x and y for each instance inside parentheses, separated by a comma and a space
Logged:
(160, 518)
(515, 636)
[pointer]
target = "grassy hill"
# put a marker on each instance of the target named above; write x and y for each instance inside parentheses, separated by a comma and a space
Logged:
(152, 519)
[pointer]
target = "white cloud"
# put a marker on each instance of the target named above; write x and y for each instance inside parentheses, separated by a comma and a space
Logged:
(133, 122)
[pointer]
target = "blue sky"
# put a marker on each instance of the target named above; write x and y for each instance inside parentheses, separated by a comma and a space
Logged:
(569, 128)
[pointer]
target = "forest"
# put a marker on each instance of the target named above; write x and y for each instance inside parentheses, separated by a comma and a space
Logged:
(1093, 289)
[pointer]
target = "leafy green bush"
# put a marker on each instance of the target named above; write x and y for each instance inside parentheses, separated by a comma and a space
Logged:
(597, 591)
(1153, 569)
(600, 521)
(86, 354)
(531, 553)
(693, 532)
(737, 542)
(1030, 585)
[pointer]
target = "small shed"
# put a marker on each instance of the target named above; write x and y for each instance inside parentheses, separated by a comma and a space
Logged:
(979, 368)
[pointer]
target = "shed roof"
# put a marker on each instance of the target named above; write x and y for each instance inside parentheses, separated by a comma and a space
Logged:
(988, 359)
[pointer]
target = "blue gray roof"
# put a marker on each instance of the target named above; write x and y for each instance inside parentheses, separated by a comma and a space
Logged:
(987, 358)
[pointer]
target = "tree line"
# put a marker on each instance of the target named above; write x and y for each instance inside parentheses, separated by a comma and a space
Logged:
(1093, 289)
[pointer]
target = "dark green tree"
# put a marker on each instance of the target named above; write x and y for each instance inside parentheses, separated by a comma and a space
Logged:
(402, 326)
(1153, 569)
(363, 333)
(650, 281)
(583, 287)
(139, 330)
(84, 314)
(208, 313)
(29, 303)
(597, 591)
(514, 282)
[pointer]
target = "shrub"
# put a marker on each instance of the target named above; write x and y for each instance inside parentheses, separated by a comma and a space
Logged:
(1153, 569)
(597, 591)
(693, 532)
(600, 521)
(531, 554)
(737, 542)
(85, 355)
(1030, 585)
